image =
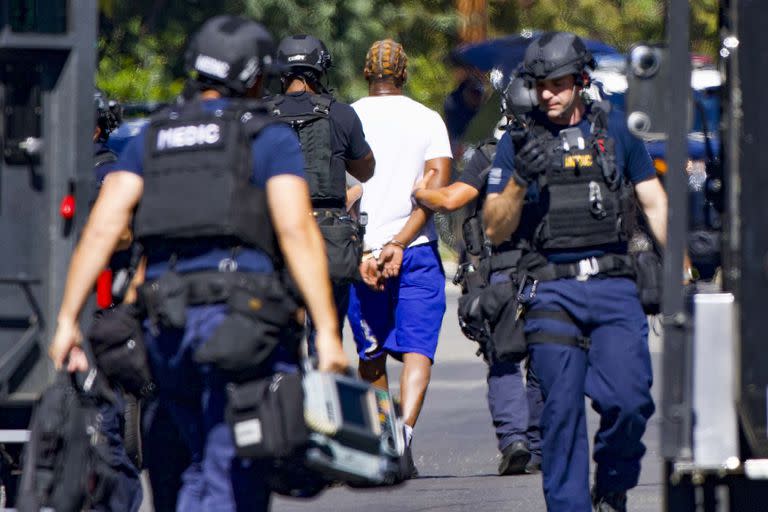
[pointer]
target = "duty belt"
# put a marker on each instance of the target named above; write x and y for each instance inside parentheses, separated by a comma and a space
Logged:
(214, 287)
(208, 287)
(505, 260)
(330, 215)
(611, 265)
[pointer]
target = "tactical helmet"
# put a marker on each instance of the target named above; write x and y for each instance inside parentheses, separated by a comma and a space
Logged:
(304, 51)
(517, 97)
(556, 54)
(107, 114)
(232, 51)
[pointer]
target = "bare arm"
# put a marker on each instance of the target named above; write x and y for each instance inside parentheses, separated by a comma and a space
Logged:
(302, 246)
(107, 224)
(446, 199)
(108, 221)
(391, 257)
(354, 193)
(441, 168)
(501, 213)
(653, 202)
(362, 169)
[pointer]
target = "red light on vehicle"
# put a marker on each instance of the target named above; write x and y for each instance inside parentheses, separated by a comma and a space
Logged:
(67, 208)
(104, 289)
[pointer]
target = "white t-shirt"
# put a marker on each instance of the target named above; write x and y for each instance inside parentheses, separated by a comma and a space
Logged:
(403, 134)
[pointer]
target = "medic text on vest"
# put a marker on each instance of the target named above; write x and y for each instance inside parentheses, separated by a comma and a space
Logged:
(188, 136)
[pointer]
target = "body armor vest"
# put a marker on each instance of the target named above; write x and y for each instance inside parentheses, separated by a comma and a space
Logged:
(585, 198)
(198, 177)
(324, 172)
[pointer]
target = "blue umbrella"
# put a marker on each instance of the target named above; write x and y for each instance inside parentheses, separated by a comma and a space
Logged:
(507, 52)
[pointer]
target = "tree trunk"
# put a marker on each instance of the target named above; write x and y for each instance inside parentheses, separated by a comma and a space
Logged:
(473, 20)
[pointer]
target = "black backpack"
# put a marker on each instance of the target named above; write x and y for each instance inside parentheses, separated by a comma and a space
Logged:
(327, 186)
(66, 462)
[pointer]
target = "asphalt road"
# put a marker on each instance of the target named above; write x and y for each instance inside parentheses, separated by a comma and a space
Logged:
(455, 448)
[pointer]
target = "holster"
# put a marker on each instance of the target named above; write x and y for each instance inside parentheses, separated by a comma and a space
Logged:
(648, 270)
(503, 308)
(472, 230)
(267, 416)
(471, 319)
(117, 341)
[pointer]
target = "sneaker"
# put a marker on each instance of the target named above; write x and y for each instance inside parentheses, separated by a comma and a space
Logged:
(609, 502)
(514, 459)
(534, 465)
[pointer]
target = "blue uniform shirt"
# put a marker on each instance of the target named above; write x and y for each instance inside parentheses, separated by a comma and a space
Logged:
(632, 159)
(275, 151)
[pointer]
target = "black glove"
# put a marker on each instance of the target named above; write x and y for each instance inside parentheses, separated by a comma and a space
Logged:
(539, 154)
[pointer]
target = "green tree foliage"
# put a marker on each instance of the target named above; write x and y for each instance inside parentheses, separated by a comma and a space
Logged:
(616, 22)
(142, 42)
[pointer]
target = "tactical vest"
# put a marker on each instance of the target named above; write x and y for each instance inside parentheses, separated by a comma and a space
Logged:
(586, 199)
(324, 172)
(104, 156)
(198, 177)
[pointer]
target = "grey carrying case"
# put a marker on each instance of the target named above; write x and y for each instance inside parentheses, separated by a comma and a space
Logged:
(267, 416)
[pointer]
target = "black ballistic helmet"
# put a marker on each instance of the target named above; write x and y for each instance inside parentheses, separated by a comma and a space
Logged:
(107, 114)
(232, 51)
(517, 97)
(556, 54)
(300, 52)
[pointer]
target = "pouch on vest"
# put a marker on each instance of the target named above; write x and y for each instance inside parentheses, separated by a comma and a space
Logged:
(165, 300)
(117, 341)
(267, 416)
(649, 281)
(250, 333)
(344, 247)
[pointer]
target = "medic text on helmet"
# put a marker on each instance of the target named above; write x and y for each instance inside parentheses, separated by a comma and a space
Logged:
(180, 137)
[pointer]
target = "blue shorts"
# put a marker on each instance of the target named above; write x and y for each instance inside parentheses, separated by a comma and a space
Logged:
(406, 317)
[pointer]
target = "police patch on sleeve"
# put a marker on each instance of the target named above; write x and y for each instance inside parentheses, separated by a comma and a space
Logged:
(494, 176)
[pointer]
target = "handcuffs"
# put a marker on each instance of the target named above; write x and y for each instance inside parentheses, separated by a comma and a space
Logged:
(376, 253)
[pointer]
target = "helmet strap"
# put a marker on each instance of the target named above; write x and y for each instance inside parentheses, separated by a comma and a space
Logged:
(568, 109)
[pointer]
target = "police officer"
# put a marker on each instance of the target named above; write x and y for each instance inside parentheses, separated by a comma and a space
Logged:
(515, 408)
(333, 143)
(584, 323)
(205, 245)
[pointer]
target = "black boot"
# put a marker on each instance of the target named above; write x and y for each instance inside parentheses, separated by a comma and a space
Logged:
(609, 502)
(514, 459)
